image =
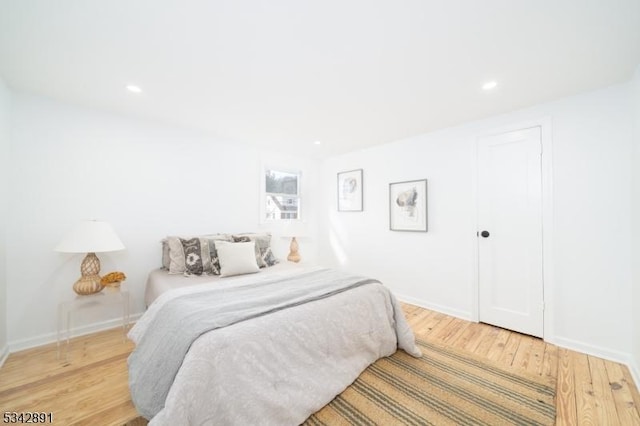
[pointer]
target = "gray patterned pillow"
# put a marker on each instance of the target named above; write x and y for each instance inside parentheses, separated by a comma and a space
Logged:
(264, 254)
(197, 259)
(213, 252)
(189, 256)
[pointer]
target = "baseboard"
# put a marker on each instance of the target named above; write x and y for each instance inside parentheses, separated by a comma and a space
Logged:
(45, 339)
(435, 307)
(635, 372)
(598, 351)
(4, 354)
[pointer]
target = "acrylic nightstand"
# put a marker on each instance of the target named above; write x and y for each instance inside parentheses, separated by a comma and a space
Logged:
(66, 308)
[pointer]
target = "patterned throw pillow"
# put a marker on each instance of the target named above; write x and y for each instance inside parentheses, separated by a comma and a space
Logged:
(197, 259)
(189, 256)
(213, 252)
(264, 254)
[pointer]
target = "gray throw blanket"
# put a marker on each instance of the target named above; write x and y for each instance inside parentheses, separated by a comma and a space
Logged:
(159, 354)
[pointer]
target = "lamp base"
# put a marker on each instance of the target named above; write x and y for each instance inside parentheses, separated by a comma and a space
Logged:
(89, 282)
(294, 256)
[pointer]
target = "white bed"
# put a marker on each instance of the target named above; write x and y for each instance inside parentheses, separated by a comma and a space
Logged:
(160, 281)
(272, 369)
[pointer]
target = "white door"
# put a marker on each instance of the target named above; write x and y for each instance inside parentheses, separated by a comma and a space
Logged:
(510, 231)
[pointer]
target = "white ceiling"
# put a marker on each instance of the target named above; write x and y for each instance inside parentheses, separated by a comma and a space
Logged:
(284, 73)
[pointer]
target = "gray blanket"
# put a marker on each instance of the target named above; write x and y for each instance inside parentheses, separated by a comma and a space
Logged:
(161, 350)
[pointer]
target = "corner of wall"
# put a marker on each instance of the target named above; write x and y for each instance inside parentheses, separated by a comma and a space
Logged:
(634, 369)
(635, 228)
(4, 195)
(4, 354)
(447, 310)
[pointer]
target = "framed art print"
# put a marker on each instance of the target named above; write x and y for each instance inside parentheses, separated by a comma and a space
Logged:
(408, 206)
(350, 191)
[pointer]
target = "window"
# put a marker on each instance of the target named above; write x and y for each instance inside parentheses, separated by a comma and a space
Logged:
(282, 194)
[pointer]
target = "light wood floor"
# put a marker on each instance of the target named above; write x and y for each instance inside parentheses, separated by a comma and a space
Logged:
(91, 387)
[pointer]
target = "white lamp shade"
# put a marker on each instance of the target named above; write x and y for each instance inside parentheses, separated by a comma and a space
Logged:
(295, 228)
(91, 236)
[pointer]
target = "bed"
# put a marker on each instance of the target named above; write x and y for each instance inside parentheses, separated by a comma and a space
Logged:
(267, 348)
(159, 281)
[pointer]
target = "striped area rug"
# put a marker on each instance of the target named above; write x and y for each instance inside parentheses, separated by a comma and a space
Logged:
(444, 387)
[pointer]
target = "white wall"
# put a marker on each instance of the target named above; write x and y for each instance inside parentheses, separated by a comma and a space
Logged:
(591, 181)
(635, 223)
(70, 164)
(4, 192)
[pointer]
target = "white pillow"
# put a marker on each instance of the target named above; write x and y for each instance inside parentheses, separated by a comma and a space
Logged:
(237, 258)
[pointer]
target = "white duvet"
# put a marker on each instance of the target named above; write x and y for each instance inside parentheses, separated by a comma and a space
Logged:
(280, 368)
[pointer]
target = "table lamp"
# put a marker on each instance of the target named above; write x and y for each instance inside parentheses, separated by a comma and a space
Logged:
(293, 229)
(90, 237)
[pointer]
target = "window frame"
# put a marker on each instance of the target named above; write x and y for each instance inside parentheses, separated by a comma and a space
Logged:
(264, 195)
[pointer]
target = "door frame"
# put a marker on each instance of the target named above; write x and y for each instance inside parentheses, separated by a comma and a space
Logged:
(547, 219)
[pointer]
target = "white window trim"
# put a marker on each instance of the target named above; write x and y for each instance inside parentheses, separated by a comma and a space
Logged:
(263, 193)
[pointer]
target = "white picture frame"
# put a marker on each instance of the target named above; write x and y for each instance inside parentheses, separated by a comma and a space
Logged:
(350, 191)
(408, 206)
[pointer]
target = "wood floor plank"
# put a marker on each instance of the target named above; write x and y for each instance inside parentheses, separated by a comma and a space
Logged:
(410, 310)
(566, 412)
(111, 414)
(536, 357)
(495, 351)
(471, 333)
(427, 324)
(622, 394)
(522, 357)
(478, 334)
(425, 321)
(487, 341)
(551, 360)
(633, 387)
(510, 349)
(453, 338)
(585, 396)
(606, 412)
(447, 331)
(438, 328)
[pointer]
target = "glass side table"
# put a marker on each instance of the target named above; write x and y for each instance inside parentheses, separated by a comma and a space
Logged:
(109, 296)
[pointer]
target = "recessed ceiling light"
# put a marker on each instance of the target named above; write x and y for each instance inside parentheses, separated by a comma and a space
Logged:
(317, 143)
(134, 89)
(489, 85)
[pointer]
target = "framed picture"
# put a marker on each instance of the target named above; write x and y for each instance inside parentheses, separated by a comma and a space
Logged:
(350, 191)
(408, 206)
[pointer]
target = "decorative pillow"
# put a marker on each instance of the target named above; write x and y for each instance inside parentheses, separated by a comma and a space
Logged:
(215, 261)
(189, 256)
(241, 239)
(236, 258)
(166, 259)
(197, 259)
(264, 254)
(176, 256)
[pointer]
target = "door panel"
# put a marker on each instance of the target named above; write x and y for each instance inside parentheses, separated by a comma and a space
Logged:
(510, 210)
